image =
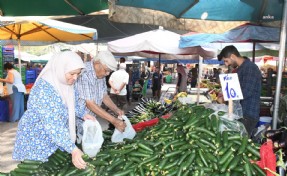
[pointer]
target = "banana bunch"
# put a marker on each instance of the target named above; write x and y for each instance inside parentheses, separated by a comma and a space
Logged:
(213, 96)
(181, 94)
(167, 101)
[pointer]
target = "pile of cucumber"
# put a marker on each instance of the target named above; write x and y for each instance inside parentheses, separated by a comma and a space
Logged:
(188, 143)
(58, 164)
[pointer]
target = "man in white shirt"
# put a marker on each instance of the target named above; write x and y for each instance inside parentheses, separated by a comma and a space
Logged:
(118, 81)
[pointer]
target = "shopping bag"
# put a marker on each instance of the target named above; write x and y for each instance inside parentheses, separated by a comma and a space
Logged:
(92, 137)
(1, 89)
(129, 132)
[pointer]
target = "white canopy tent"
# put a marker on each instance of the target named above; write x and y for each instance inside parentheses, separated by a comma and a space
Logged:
(158, 43)
(25, 56)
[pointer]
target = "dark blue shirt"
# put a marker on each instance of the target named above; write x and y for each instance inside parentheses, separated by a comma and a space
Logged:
(250, 82)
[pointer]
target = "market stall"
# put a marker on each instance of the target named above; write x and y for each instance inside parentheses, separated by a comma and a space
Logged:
(187, 140)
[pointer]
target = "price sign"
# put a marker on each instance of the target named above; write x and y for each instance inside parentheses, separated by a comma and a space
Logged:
(230, 86)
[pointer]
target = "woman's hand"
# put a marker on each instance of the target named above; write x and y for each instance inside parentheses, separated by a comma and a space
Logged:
(77, 159)
(89, 117)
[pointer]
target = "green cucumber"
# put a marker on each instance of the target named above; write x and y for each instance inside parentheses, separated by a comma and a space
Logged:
(202, 158)
(25, 171)
(145, 147)
(260, 172)
(225, 138)
(183, 157)
(122, 173)
(99, 163)
(225, 157)
(32, 162)
(162, 163)
(63, 171)
(200, 129)
(234, 162)
(149, 160)
(115, 163)
(208, 143)
(243, 145)
(28, 166)
(88, 170)
(172, 154)
(214, 123)
(247, 169)
(211, 157)
(225, 165)
(253, 151)
(71, 171)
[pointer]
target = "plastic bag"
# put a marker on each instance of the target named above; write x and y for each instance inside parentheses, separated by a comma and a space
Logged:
(186, 100)
(268, 158)
(129, 132)
(216, 107)
(232, 125)
(1, 89)
(92, 137)
(237, 110)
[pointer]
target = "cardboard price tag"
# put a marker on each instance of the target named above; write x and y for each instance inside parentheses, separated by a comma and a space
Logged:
(230, 86)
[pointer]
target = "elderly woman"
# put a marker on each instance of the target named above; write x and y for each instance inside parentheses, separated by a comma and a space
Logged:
(49, 122)
(16, 90)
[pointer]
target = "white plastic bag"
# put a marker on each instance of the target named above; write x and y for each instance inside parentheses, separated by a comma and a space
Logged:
(92, 138)
(129, 132)
(1, 89)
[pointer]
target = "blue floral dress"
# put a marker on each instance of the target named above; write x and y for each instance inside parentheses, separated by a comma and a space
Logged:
(44, 126)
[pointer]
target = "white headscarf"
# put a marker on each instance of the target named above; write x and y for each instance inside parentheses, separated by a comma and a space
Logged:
(54, 73)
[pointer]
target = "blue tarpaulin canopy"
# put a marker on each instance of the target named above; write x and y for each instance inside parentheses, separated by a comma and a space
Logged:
(191, 61)
(245, 33)
(220, 10)
(211, 16)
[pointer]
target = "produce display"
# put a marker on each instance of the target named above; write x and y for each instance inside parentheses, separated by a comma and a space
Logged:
(147, 109)
(188, 143)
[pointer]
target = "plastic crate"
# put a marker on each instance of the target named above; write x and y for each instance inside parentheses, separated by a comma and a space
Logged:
(7, 49)
(30, 80)
(31, 74)
(142, 125)
(8, 59)
(4, 113)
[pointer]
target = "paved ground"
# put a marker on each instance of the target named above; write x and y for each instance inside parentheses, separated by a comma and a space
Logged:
(7, 139)
(8, 132)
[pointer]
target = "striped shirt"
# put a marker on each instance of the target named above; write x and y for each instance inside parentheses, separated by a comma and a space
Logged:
(90, 87)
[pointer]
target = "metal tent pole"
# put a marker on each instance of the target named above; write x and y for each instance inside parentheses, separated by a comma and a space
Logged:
(199, 79)
(280, 66)
(19, 57)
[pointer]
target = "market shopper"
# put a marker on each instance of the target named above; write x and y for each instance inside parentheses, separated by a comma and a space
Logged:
(157, 82)
(250, 82)
(193, 73)
(16, 90)
(49, 122)
(118, 81)
(92, 89)
(181, 85)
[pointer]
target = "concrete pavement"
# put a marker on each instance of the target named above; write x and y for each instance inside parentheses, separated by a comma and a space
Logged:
(7, 140)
